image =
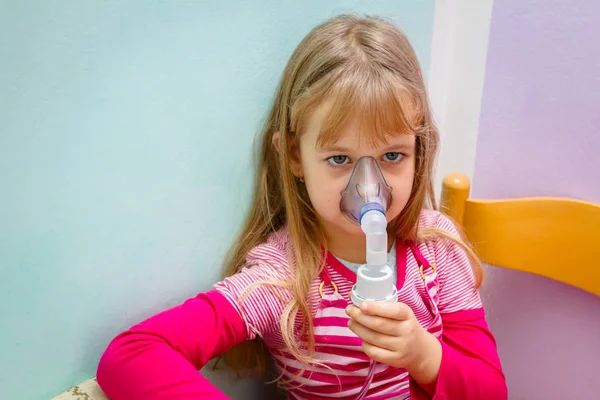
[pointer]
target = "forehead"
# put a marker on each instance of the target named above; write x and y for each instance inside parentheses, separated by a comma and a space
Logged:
(355, 132)
(370, 116)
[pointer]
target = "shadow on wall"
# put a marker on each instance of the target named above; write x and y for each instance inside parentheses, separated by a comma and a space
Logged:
(242, 389)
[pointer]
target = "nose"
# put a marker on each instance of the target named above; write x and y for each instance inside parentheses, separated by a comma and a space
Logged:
(366, 186)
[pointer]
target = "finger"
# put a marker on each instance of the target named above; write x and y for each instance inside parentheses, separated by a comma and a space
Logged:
(373, 337)
(397, 311)
(382, 325)
(379, 354)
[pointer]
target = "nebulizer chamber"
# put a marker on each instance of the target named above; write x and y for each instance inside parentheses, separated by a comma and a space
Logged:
(365, 201)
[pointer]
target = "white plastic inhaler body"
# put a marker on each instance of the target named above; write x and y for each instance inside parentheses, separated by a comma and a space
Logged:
(365, 201)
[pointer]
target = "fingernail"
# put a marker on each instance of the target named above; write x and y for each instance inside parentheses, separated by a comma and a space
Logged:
(348, 309)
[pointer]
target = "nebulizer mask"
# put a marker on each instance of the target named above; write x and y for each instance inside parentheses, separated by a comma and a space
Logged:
(365, 201)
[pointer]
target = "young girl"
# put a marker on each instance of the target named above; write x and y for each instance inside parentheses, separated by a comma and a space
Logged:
(352, 89)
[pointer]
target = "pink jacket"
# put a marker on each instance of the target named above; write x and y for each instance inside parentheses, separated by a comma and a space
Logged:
(159, 358)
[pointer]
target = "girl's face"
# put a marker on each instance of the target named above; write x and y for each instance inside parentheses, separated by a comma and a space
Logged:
(326, 170)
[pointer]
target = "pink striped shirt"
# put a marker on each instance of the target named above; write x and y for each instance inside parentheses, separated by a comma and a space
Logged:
(345, 364)
(157, 358)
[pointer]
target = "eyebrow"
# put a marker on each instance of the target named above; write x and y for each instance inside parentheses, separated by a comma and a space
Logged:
(389, 149)
(333, 149)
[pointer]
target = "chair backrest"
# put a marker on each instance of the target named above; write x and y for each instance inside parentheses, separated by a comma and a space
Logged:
(557, 238)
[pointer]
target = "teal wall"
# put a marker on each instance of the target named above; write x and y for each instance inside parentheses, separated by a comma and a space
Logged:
(124, 168)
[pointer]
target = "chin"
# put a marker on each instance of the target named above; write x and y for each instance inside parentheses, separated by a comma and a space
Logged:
(341, 223)
(350, 227)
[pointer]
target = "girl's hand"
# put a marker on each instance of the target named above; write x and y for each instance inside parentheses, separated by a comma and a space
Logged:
(392, 335)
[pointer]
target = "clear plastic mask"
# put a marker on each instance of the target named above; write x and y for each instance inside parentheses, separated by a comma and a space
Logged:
(366, 190)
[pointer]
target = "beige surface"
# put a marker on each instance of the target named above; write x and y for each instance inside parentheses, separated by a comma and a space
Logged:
(88, 390)
(233, 388)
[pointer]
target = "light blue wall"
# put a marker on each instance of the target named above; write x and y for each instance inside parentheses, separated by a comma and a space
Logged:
(124, 168)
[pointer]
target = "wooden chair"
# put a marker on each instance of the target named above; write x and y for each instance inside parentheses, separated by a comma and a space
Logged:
(557, 238)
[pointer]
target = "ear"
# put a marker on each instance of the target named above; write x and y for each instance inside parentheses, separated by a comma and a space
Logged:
(275, 140)
(293, 153)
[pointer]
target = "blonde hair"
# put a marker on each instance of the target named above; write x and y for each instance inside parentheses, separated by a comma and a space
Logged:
(362, 67)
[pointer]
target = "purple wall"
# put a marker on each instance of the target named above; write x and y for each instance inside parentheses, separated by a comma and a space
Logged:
(540, 136)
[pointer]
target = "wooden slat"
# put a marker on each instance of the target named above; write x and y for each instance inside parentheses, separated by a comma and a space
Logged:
(455, 190)
(553, 237)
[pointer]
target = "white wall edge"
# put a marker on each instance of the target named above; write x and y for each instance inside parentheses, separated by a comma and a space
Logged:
(456, 77)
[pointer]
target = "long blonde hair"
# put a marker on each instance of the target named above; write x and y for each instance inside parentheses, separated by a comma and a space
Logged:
(364, 67)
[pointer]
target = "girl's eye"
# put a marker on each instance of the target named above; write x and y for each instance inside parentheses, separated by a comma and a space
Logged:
(338, 160)
(392, 157)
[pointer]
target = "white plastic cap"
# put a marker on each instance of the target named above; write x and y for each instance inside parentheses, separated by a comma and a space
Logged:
(374, 284)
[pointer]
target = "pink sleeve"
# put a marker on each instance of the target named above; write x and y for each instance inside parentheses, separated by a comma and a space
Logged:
(159, 358)
(470, 366)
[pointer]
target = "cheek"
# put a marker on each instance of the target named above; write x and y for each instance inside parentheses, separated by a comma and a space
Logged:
(324, 191)
(401, 189)
(401, 192)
